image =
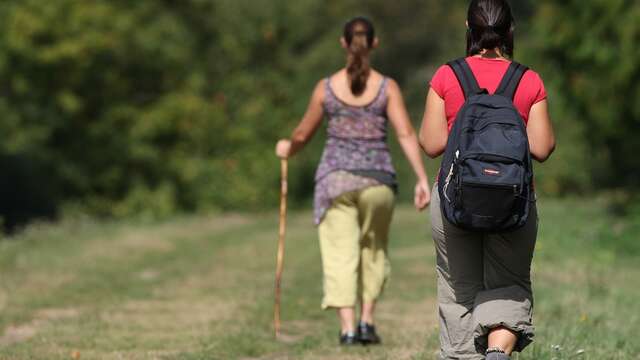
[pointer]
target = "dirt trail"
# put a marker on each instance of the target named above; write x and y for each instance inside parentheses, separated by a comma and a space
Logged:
(18, 333)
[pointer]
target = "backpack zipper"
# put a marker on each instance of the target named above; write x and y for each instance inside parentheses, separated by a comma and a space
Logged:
(450, 175)
(493, 186)
(471, 155)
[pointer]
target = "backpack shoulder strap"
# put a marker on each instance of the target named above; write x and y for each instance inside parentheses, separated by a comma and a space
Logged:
(465, 77)
(511, 80)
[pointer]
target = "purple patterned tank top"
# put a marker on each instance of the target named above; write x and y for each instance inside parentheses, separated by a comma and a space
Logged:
(355, 151)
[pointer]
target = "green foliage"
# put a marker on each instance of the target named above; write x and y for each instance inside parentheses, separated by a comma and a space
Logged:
(589, 53)
(154, 107)
(100, 92)
(157, 107)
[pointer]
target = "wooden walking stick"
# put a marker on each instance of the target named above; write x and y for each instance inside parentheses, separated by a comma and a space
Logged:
(280, 256)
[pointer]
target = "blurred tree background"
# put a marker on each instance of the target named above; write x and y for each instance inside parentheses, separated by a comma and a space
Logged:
(148, 108)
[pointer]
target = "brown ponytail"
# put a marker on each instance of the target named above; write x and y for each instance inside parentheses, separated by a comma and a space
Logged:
(491, 25)
(359, 35)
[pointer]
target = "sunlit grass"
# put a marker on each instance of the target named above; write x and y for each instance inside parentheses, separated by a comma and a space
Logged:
(202, 288)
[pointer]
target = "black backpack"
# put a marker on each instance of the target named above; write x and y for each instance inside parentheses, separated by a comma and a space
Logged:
(486, 176)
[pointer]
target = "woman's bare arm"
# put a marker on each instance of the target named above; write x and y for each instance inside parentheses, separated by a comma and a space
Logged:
(542, 141)
(434, 132)
(408, 140)
(307, 126)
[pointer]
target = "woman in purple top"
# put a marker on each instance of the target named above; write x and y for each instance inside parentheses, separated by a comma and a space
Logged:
(355, 181)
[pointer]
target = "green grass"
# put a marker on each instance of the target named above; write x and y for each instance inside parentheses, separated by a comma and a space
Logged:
(202, 288)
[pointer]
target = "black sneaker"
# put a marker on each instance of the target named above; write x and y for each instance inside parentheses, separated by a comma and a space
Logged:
(349, 339)
(367, 334)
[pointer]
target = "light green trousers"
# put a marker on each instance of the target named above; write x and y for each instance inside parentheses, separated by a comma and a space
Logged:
(353, 243)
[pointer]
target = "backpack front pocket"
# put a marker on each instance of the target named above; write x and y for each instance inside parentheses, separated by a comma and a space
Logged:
(489, 192)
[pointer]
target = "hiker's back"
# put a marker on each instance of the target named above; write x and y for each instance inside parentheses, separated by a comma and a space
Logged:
(357, 134)
(362, 117)
(355, 154)
(485, 181)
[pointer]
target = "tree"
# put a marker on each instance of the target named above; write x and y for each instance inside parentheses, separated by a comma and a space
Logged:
(589, 51)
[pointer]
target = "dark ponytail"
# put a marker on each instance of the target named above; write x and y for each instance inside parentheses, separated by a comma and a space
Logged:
(491, 25)
(359, 35)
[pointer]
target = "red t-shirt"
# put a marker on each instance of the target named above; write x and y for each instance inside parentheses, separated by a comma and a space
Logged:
(488, 73)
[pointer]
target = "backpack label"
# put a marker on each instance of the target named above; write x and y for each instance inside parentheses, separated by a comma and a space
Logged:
(491, 172)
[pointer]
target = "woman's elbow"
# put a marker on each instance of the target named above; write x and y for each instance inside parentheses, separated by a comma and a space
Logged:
(421, 141)
(543, 154)
(432, 150)
(433, 153)
(299, 137)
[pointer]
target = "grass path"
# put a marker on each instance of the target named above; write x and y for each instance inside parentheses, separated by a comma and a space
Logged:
(202, 288)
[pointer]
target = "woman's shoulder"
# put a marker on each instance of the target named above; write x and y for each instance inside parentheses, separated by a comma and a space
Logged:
(532, 76)
(378, 78)
(387, 85)
(441, 79)
(342, 73)
(384, 80)
(443, 72)
(319, 90)
(532, 87)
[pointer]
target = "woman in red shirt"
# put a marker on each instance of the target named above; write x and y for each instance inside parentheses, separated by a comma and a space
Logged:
(484, 285)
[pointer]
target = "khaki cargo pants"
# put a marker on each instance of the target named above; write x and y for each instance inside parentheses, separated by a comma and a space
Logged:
(483, 282)
(353, 242)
